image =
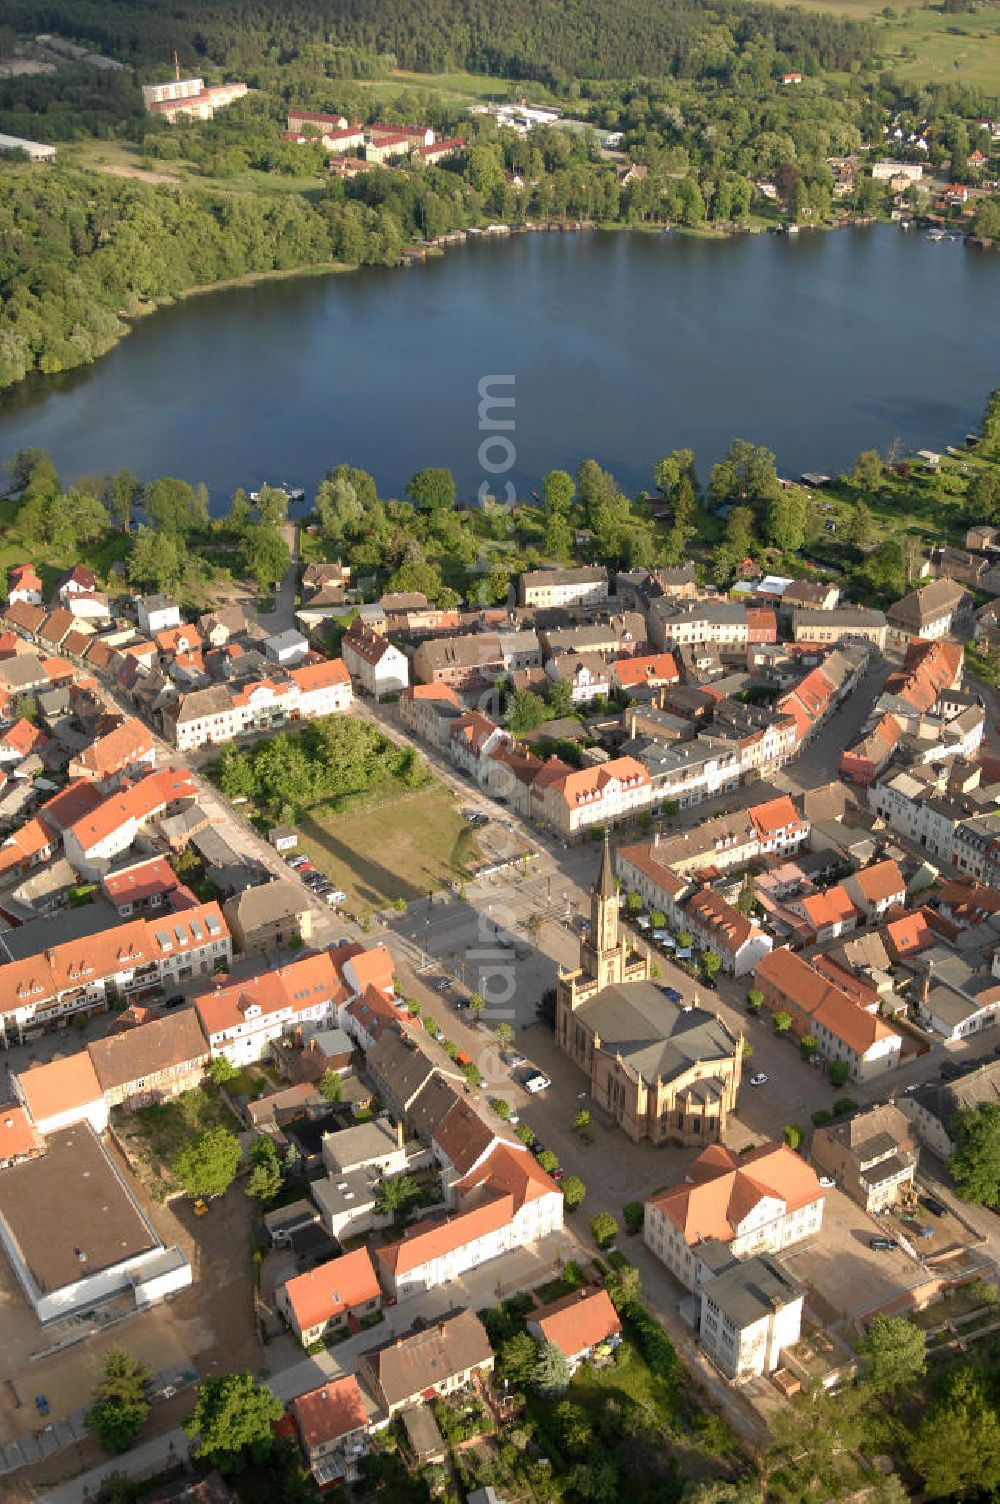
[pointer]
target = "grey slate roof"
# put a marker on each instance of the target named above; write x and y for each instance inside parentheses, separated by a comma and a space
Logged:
(654, 1037)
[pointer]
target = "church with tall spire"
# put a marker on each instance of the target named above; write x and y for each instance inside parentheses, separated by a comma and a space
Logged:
(663, 1070)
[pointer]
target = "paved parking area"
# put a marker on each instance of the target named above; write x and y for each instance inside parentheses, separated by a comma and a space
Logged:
(844, 1275)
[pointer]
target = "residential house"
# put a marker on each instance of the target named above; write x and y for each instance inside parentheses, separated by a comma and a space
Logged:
(587, 675)
(933, 1107)
(151, 1063)
(79, 581)
(428, 710)
(270, 916)
(877, 890)
(821, 1010)
(733, 1206)
(106, 830)
(940, 609)
(241, 1019)
(504, 1201)
(85, 975)
(872, 1156)
(581, 1325)
(462, 662)
(125, 751)
(332, 1422)
(24, 584)
(843, 623)
(287, 648)
(60, 1093)
(571, 801)
(583, 586)
(326, 1298)
(157, 613)
(636, 675)
(374, 661)
(441, 1357)
(717, 926)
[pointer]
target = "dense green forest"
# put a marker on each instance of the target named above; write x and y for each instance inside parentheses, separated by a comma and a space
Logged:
(542, 39)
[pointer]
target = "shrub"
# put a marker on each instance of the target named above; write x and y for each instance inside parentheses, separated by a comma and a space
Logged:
(792, 1134)
(500, 1107)
(525, 1134)
(633, 1214)
(821, 1118)
(548, 1161)
(844, 1105)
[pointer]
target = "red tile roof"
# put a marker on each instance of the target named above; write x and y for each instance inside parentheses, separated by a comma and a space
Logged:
(326, 1414)
(343, 1284)
(578, 1322)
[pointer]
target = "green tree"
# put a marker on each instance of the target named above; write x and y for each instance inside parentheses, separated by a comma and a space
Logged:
(711, 964)
(956, 1447)
(433, 489)
(782, 1021)
(395, 1193)
(896, 1352)
(558, 490)
(156, 561)
(838, 1072)
(330, 1086)
(266, 1175)
(272, 506)
(624, 1286)
(220, 1070)
(121, 494)
(518, 1356)
(503, 1034)
(173, 506)
(860, 529)
(550, 1372)
(573, 1190)
(548, 1161)
(755, 999)
(265, 554)
(561, 699)
(581, 1123)
(120, 1402)
(231, 1422)
(786, 520)
(975, 1164)
(207, 1168)
(476, 1004)
(603, 1229)
(867, 472)
(792, 1134)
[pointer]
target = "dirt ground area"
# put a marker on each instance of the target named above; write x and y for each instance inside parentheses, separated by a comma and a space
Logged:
(23, 67)
(209, 1328)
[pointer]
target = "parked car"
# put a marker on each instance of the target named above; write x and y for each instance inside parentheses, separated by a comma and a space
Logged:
(673, 994)
(827, 1182)
(513, 1060)
(883, 1245)
(442, 984)
(41, 1404)
(934, 1206)
(336, 895)
(759, 1079)
(537, 1082)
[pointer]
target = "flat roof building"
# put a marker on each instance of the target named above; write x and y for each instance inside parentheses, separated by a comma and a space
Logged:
(72, 1229)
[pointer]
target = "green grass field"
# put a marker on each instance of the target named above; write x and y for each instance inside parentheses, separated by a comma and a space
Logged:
(398, 848)
(929, 46)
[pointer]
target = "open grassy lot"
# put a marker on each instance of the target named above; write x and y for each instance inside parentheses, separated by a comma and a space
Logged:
(930, 46)
(155, 1135)
(401, 847)
(452, 86)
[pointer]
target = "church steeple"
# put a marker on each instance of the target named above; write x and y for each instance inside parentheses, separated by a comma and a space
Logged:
(604, 907)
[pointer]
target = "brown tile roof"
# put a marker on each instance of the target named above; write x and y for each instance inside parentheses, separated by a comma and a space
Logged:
(407, 1366)
(462, 1137)
(724, 1188)
(326, 1414)
(174, 1040)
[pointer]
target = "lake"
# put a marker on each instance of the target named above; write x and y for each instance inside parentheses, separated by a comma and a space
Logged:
(622, 347)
